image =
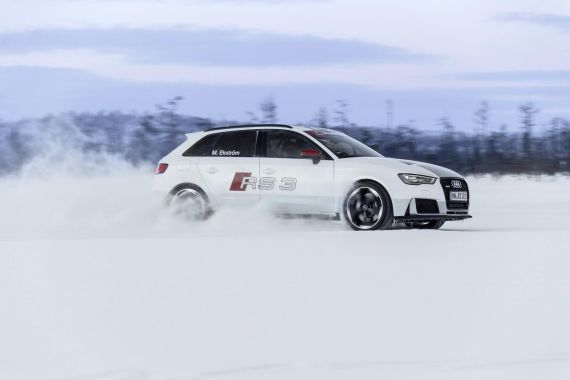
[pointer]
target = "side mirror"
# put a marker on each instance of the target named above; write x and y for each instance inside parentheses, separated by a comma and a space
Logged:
(313, 154)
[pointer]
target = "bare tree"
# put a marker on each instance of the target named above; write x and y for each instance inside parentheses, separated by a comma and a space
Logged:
(341, 114)
(252, 117)
(528, 112)
(169, 123)
(321, 119)
(482, 125)
(447, 146)
(389, 114)
(268, 110)
(482, 118)
(167, 113)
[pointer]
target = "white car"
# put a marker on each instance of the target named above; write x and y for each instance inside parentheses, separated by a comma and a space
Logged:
(308, 171)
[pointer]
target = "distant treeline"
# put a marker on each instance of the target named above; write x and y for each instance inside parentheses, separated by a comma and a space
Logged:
(145, 138)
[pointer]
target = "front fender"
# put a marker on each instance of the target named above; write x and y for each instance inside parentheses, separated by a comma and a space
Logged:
(400, 193)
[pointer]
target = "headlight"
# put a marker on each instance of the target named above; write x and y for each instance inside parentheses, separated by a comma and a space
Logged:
(416, 179)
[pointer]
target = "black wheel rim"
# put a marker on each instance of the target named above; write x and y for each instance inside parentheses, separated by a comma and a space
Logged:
(364, 208)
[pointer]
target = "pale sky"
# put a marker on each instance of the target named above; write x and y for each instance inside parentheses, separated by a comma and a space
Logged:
(430, 58)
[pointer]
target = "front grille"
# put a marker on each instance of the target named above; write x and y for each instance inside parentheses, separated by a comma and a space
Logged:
(447, 185)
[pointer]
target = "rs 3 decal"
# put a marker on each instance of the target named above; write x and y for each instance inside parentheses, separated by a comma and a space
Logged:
(242, 180)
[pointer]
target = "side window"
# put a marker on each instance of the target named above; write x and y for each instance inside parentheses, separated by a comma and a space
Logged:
(235, 144)
(285, 144)
(202, 147)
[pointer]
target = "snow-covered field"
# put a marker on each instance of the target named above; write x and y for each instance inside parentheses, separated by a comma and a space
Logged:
(96, 282)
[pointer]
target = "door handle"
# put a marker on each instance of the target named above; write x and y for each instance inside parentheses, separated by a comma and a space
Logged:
(212, 170)
(269, 171)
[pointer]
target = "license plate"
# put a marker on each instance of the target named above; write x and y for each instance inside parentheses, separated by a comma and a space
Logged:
(458, 196)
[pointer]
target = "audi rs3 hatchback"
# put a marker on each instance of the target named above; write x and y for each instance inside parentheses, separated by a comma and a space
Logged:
(308, 171)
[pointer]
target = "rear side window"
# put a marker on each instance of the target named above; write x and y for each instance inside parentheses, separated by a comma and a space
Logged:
(285, 144)
(229, 144)
(203, 147)
(235, 144)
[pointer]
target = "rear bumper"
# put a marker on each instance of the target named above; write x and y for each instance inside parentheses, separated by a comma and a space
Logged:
(429, 217)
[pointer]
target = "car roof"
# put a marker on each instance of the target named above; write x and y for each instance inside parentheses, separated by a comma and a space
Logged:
(242, 127)
(265, 125)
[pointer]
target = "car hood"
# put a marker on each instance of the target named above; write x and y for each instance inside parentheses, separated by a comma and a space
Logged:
(403, 166)
(439, 171)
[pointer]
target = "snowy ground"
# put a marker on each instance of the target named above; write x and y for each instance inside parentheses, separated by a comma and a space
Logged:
(97, 284)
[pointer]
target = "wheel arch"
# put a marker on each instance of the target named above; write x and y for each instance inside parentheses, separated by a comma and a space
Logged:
(369, 179)
(187, 185)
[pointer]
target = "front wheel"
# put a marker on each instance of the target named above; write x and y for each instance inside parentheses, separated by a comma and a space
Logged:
(368, 207)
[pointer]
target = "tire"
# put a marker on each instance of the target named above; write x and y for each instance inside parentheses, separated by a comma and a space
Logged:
(368, 207)
(189, 202)
(431, 225)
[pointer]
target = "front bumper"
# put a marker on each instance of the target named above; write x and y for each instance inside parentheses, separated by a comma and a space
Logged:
(433, 202)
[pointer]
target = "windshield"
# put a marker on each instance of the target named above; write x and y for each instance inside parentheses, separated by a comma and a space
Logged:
(342, 145)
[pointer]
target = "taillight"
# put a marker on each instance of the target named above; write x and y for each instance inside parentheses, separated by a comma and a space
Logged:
(161, 168)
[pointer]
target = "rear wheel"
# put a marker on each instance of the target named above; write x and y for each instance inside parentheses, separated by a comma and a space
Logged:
(429, 225)
(189, 203)
(368, 207)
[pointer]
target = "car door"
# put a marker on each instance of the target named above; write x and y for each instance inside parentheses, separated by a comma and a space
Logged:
(230, 169)
(293, 183)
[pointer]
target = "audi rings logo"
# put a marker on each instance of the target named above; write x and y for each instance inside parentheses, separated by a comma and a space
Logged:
(456, 184)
